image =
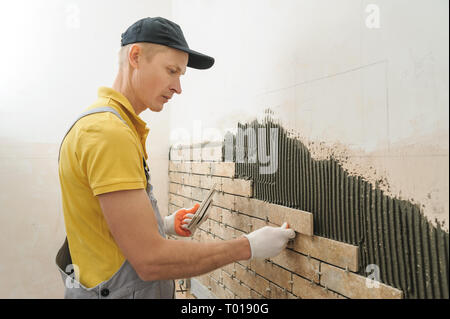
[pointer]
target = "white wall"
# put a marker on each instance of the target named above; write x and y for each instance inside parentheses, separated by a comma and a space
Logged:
(272, 54)
(54, 55)
(377, 96)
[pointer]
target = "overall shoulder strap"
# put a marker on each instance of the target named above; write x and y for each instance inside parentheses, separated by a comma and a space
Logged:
(88, 112)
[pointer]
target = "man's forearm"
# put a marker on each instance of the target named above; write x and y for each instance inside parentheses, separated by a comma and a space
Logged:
(183, 259)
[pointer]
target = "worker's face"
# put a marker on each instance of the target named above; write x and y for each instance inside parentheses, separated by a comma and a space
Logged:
(157, 80)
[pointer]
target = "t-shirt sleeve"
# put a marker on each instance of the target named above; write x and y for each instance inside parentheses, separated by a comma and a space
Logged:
(110, 157)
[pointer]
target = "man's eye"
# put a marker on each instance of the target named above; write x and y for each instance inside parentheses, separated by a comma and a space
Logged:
(173, 71)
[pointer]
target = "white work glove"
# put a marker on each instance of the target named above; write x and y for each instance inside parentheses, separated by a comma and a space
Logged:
(268, 241)
(176, 224)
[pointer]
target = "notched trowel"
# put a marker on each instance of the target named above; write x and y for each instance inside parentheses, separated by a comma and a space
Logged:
(202, 212)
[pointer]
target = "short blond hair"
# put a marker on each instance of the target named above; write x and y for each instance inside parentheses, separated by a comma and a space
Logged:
(149, 51)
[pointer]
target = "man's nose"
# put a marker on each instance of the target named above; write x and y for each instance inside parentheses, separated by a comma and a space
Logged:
(176, 87)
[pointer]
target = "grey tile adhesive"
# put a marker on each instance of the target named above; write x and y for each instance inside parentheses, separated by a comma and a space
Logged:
(411, 253)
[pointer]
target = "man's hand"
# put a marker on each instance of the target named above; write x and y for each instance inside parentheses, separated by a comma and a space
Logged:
(176, 224)
(269, 241)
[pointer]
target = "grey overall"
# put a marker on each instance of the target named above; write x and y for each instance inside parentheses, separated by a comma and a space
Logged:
(125, 283)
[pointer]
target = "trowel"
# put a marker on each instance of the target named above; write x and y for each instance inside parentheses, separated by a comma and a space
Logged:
(203, 211)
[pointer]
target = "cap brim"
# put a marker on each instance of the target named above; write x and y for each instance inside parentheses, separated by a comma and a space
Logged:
(197, 60)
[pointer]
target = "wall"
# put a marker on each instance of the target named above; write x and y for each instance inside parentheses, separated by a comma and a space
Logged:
(54, 56)
(374, 96)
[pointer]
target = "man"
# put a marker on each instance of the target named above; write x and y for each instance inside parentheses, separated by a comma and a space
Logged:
(116, 245)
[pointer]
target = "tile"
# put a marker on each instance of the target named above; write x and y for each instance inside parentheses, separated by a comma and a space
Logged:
(236, 220)
(175, 177)
(185, 179)
(224, 169)
(252, 280)
(199, 193)
(236, 186)
(180, 189)
(249, 206)
(212, 153)
(180, 154)
(256, 295)
(297, 263)
(306, 290)
(332, 251)
(223, 200)
(298, 220)
(202, 168)
(215, 213)
(279, 293)
(353, 285)
(174, 166)
(185, 167)
(206, 181)
(176, 200)
(273, 272)
(242, 291)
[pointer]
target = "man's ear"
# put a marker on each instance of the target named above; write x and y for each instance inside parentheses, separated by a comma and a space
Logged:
(134, 54)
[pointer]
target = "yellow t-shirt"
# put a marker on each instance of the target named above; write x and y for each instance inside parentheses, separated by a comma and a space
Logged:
(100, 154)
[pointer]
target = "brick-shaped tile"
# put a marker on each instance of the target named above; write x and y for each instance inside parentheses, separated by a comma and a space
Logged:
(354, 286)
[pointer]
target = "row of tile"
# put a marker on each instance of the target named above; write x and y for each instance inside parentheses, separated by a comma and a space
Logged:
(243, 277)
(298, 220)
(305, 277)
(334, 252)
(204, 183)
